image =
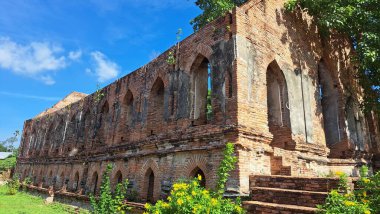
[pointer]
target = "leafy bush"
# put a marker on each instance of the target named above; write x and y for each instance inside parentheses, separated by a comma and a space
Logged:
(8, 163)
(369, 190)
(13, 186)
(27, 181)
(190, 197)
(365, 199)
(109, 202)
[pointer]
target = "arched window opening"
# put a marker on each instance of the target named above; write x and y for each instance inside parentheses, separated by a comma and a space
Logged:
(85, 123)
(173, 98)
(76, 182)
(118, 177)
(229, 92)
(73, 121)
(105, 108)
(95, 178)
(61, 180)
(24, 175)
(54, 138)
(103, 123)
(278, 106)
(202, 90)
(372, 130)
(150, 185)
(40, 179)
(328, 95)
(48, 141)
(73, 125)
(156, 106)
(50, 179)
(128, 100)
(196, 173)
(355, 121)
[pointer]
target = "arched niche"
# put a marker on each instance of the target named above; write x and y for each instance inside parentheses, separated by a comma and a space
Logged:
(156, 107)
(328, 95)
(278, 106)
(128, 107)
(196, 172)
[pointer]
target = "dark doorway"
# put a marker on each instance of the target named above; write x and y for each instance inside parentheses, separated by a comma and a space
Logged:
(76, 181)
(150, 176)
(198, 172)
(95, 182)
(119, 177)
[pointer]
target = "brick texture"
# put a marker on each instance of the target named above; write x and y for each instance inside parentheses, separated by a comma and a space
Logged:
(154, 120)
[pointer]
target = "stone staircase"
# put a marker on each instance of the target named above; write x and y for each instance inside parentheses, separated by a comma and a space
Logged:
(286, 194)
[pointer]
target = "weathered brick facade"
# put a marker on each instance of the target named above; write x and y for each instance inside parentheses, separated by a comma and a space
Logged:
(286, 98)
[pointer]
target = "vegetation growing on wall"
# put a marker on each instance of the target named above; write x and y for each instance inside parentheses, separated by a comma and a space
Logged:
(212, 9)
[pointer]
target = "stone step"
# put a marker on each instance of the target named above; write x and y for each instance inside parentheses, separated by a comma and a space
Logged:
(297, 183)
(288, 196)
(258, 207)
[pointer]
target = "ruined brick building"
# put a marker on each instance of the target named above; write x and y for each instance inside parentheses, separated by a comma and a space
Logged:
(282, 94)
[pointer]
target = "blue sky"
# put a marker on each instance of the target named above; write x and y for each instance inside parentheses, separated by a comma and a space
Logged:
(51, 48)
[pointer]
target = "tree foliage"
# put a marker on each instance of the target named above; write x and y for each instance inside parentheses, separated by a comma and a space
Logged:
(8, 144)
(359, 20)
(212, 9)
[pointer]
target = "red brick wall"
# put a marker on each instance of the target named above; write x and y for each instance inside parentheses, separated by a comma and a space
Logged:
(104, 128)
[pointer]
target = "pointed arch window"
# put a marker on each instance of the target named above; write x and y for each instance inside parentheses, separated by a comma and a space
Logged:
(156, 106)
(202, 90)
(128, 101)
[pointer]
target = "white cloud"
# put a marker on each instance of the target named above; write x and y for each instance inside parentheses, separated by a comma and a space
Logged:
(104, 68)
(48, 80)
(28, 96)
(37, 60)
(75, 55)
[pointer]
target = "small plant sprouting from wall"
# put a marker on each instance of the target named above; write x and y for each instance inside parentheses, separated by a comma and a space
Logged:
(98, 94)
(172, 59)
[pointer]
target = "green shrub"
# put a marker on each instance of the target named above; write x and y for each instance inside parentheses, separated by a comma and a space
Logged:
(13, 186)
(110, 202)
(369, 190)
(27, 181)
(189, 197)
(364, 199)
(8, 163)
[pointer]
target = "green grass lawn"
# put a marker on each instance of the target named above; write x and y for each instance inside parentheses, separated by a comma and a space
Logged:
(25, 203)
